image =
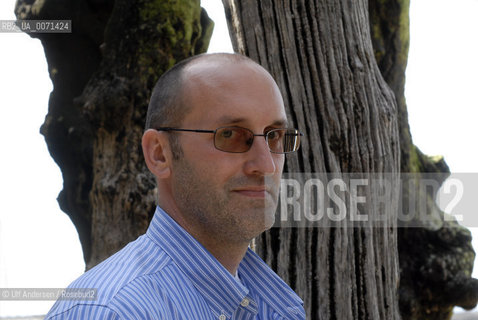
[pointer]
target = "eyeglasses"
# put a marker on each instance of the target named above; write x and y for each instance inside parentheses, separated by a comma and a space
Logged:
(239, 140)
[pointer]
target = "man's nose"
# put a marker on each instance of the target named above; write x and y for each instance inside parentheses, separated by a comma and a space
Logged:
(260, 159)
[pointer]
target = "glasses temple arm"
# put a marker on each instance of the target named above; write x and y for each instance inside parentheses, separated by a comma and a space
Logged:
(188, 130)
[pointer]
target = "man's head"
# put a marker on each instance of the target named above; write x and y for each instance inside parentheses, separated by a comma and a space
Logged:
(231, 195)
(168, 103)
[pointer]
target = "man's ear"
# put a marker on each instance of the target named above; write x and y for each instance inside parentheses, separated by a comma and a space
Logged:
(157, 153)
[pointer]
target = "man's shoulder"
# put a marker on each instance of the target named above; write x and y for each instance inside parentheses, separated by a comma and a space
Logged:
(127, 270)
(138, 259)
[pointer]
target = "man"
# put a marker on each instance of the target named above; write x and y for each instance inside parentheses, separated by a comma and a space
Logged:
(215, 141)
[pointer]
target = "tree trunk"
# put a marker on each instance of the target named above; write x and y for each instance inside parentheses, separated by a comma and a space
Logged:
(321, 55)
(103, 74)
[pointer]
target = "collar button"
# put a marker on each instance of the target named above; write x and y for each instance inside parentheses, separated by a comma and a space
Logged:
(245, 302)
(222, 317)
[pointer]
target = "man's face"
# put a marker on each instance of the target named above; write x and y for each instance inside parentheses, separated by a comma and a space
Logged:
(231, 194)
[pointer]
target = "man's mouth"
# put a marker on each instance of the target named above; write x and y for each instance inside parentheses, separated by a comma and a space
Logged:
(253, 191)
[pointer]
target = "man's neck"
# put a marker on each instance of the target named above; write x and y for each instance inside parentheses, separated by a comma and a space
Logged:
(230, 256)
(228, 253)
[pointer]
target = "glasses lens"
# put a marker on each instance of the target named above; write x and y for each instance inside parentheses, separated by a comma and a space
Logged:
(283, 140)
(233, 139)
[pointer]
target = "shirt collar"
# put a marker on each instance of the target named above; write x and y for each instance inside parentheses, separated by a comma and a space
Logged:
(218, 287)
(267, 285)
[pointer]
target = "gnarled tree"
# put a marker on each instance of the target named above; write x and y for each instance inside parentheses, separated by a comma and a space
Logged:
(103, 74)
(435, 261)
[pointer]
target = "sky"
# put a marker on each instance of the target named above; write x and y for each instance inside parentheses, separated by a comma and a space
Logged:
(39, 245)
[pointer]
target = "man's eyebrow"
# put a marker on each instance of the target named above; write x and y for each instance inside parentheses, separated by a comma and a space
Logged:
(281, 123)
(234, 120)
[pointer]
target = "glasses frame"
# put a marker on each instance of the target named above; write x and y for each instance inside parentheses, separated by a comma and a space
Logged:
(265, 135)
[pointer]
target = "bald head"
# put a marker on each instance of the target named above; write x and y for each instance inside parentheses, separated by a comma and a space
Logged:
(170, 100)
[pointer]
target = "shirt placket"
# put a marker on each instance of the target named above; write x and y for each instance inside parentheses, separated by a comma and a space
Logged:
(246, 310)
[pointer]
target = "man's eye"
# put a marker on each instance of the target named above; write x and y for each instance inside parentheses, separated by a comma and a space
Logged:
(227, 133)
(273, 135)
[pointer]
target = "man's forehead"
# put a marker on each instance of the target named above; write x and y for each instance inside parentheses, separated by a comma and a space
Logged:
(230, 92)
(206, 76)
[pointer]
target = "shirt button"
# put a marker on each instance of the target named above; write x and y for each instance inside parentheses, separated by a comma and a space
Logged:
(222, 317)
(245, 302)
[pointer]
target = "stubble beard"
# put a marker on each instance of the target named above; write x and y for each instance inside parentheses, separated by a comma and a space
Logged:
(225, 214)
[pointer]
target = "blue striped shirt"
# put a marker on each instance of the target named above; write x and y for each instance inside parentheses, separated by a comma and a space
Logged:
(167, 274)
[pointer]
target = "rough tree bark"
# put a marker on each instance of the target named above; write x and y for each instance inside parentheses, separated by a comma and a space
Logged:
(103, 74)
(321, 55)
